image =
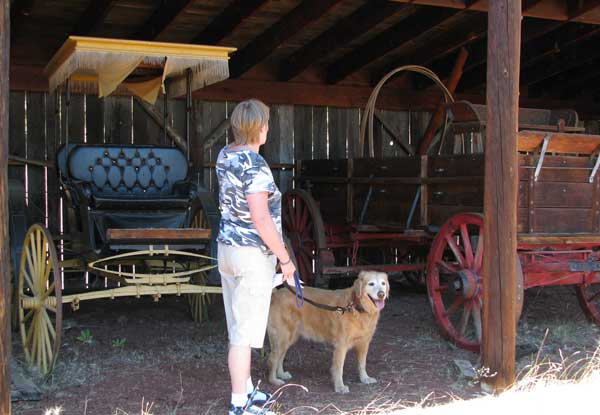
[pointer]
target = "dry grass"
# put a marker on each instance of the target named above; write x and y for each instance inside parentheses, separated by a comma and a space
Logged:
(547, 386)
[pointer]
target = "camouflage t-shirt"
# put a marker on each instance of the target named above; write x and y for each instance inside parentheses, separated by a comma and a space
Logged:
(242, 172)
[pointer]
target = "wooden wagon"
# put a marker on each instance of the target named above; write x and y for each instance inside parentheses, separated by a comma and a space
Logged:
(138, 224)
(421, 216)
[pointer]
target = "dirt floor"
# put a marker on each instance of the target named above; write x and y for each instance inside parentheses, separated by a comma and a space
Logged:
(143, 353)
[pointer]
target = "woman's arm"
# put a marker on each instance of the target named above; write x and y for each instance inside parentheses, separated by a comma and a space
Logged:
(263, 222)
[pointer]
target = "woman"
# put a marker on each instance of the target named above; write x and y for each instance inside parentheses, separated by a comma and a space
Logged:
(250, 243)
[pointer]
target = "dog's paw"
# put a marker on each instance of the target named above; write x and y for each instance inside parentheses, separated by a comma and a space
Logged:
(368, 379)
(284, 375)
(276, 382)
(342, 388)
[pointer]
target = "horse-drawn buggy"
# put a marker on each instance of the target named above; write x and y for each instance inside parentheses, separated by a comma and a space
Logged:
(421, 216)
(138, 225)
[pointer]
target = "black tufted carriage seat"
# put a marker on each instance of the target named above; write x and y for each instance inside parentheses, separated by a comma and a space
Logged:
(127, 177)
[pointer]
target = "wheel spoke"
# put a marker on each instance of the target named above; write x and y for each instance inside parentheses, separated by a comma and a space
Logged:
(450, 268)
(442, 288)
(50, 325)
(50, 308)
(28, 315)
(455, 250)
(467, 244)
(33, 344)
(29, 281)
(593, 297)
(479, 252)
(298, 212)
(47, 271)
(464, 320)
(476, 312)
(458, 301)
(303, 218)
(307, 250)
(291, 216)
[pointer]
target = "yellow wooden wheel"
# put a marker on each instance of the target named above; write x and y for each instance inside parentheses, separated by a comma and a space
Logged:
(198, 303)
(40, 305)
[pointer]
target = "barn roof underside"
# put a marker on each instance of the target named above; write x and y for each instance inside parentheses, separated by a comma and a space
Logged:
(345, 43)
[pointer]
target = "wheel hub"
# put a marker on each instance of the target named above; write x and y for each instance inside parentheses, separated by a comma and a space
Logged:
(466, 283)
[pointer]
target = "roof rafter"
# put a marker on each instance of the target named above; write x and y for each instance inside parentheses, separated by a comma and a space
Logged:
(540, 49)
(290, 24)
(93, 16)
(166, 13)
(444, 45)
(348, 28)
(578, 8)
(422, 20)
(227, 21)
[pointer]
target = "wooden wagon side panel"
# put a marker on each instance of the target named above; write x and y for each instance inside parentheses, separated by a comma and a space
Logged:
(561, 200)
(456, 186)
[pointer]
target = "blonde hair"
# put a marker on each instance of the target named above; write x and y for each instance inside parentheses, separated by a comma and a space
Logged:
(247, 119)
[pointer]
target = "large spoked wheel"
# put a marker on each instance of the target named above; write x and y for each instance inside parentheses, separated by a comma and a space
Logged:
(206, 217)
(40, 305)
(454, 282)
(589, 300)
(303, 225)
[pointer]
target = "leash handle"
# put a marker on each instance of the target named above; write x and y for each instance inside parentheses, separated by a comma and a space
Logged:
(299, 293)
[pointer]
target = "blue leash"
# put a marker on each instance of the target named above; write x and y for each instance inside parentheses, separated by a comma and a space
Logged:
(299, 293)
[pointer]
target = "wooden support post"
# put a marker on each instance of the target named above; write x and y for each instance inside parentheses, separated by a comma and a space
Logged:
(500, 201)
(5, 274)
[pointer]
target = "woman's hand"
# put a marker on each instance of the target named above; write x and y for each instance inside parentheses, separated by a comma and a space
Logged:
(288, 272)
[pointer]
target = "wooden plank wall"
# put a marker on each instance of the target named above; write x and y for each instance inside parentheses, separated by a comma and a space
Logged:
(37, 129)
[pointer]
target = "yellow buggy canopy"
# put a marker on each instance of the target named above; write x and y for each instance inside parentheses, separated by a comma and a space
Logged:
(103, 65)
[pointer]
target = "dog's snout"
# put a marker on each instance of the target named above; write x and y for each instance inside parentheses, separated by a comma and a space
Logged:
(381, 294)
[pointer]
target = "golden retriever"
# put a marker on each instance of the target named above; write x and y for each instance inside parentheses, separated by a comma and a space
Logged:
(353, 329)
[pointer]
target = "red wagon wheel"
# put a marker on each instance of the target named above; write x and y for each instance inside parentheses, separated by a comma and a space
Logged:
(589, 300)
(454, 281)
(303, 225)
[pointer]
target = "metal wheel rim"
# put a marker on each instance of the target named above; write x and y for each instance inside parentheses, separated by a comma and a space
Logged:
(305, 229)
(39, 264)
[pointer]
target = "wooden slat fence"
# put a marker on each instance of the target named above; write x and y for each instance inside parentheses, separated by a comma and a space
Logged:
(38, 126)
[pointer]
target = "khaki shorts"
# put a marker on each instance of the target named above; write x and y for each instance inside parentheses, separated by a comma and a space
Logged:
(247, 280)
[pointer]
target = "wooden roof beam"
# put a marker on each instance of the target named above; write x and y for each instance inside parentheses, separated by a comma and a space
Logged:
(93, 16)
(227, 21)
(578, 8)
(568, 84)
(586, 52)
(537, 48)
(443, 46)
(534, 8)
(166, 13)
(346, 29)
(390, 39)
(262, 46)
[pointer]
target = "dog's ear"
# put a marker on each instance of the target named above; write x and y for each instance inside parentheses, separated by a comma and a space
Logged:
(387, 285)
(359, 284)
